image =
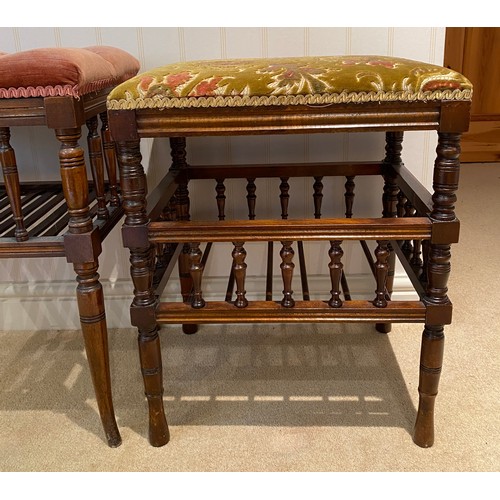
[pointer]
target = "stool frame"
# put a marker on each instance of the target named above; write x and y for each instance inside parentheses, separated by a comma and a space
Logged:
(76, 230)
(410, 213)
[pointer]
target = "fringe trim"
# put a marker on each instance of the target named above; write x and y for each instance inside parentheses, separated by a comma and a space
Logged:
(130, 102)
(75, 91)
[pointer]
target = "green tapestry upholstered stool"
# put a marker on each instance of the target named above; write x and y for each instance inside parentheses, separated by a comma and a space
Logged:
(287, 96)
(62, 215)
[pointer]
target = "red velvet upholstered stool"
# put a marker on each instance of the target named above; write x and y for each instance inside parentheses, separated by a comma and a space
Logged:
(63, 89)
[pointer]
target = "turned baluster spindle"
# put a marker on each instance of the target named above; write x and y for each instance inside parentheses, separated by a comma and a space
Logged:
(287, 267)
(400, 207)
(335, 267)
(284, 197)
(239, 269)
(109, 149)
(382, 253)
(349, 195)
(407, 247)
(196, 269)
(251, 198)
(220, 189)
(12, 186)
(318, 196)
(97, 166)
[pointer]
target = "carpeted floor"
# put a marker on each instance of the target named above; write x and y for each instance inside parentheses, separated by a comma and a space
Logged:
(277, 397)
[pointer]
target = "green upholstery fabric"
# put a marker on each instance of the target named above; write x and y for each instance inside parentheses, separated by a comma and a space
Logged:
(289, 81)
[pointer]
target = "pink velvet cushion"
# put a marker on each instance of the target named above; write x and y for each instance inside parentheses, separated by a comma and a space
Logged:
(64, 71)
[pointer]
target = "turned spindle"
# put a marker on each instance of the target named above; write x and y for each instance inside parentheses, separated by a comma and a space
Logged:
(251, 198)
(220, 189)
(382, 253)
(335, 267)
(239, 269)
(97, 166)
(287, 267)
(317, 196)
(196, 270)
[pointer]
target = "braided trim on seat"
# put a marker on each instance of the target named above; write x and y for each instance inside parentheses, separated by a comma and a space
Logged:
(75, 91)
(283, 100)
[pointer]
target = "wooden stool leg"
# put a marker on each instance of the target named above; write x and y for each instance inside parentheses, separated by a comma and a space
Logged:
(11, 179)
(82, 245)
(178, 154)
(93, 320)
(134, 190)
(446, 173)
(151, 367)
(393, 148)
(431, 360)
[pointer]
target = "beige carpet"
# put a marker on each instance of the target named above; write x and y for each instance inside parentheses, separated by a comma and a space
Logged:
(276, 398)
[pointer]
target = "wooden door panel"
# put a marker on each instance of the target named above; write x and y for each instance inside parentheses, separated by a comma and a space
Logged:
(475, 52)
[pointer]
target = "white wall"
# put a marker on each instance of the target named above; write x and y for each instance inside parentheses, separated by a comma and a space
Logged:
(27, 301)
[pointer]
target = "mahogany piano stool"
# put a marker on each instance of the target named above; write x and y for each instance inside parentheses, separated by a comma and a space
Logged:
(62, 89)
(351, 94)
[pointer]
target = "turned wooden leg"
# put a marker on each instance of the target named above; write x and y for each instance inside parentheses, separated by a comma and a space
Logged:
(93, 320)
(431, 360)
(11, 179)
(179, 163)
(134, 190)
(445, 184)
(82, 245)
(393, 148)
(151, 368)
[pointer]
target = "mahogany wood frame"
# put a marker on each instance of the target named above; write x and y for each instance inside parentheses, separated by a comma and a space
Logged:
(77, 229)
(410, 213)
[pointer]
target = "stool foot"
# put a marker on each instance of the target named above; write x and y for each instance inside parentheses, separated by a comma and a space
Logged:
(159, 435)
(431, 360)
(383, 327)
(189, 329)
(151, 367)
(113, 438)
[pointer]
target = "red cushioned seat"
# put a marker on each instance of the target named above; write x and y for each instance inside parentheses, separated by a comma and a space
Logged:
(64, 71)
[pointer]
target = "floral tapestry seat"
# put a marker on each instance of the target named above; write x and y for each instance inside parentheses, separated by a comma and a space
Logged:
(289, 81)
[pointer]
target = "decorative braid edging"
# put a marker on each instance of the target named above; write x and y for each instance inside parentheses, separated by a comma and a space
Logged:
(75, 91)
(283, 100)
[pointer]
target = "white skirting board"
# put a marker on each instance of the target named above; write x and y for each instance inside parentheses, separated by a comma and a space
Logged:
(44, 306)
